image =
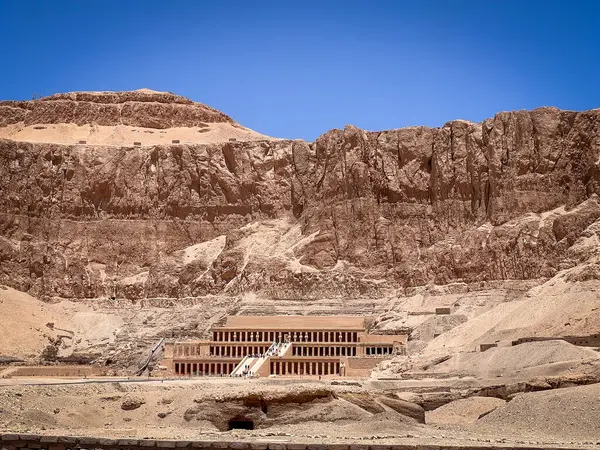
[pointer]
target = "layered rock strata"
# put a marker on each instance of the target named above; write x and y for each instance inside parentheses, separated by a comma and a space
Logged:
(353, 214)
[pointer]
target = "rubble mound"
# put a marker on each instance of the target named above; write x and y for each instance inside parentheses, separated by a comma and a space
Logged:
(509, 360)
(560, 414)
(463, 411)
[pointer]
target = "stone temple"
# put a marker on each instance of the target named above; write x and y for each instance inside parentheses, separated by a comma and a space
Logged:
(293, 346)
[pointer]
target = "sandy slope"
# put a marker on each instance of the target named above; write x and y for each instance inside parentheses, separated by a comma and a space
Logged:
(463, 411)
(509, 360)
(564, 414)
(122, 135)
(557, 308)
(29, 325)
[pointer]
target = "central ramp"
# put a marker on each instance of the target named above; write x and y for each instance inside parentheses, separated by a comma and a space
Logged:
(251, 364)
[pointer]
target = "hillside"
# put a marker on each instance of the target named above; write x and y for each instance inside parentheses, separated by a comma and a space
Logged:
(118, 119)
(497, 220)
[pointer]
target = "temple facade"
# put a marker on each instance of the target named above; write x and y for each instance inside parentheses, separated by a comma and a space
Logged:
(294, 346)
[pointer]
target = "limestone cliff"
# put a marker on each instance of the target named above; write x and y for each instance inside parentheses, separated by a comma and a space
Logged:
(356, 213)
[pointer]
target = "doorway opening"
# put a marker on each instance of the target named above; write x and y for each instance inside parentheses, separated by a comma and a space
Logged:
(240, 423)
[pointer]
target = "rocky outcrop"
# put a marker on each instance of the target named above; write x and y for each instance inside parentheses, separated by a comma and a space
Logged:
(143, 108)
(354, 214)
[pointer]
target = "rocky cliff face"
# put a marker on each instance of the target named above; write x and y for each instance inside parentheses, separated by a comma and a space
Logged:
(142, 108)
(358, 214)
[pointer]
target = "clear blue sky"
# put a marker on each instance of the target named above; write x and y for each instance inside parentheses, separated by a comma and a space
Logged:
(296, 69)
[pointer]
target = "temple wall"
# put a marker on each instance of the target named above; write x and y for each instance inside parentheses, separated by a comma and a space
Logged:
(362, 366)
(57, 371)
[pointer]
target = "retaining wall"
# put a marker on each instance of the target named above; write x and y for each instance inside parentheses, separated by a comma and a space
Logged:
(31, 441)
(56, 371)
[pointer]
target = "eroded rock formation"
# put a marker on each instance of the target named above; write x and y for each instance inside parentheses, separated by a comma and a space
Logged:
(355, 213)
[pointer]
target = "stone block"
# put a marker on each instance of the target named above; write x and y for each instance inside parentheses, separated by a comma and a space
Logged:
(175, 141)
(484, 347)
(316, 447)
(338, 447)
(276, 446)
(10, 437)
(30, 437)
(202, 444)
(183, 444)
(360, 447)
(49, 439)
(220, 444)
(67, 440)
(296, 446)
(239, 445)
(7, 447)
(428, 447)
(147, 443)
(57, 447)
(87, 442)
(128, 442)
(137, 144)
(165, 444)
(258, 445)
(105, 442)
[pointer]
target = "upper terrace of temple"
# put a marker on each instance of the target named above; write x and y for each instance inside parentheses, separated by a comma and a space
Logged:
(294, 323)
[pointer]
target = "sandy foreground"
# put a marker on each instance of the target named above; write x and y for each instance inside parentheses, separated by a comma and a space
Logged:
(289, 411)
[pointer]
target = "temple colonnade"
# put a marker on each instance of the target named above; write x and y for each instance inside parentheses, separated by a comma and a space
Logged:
(305, 367)
(207, 368)
(281, 335)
